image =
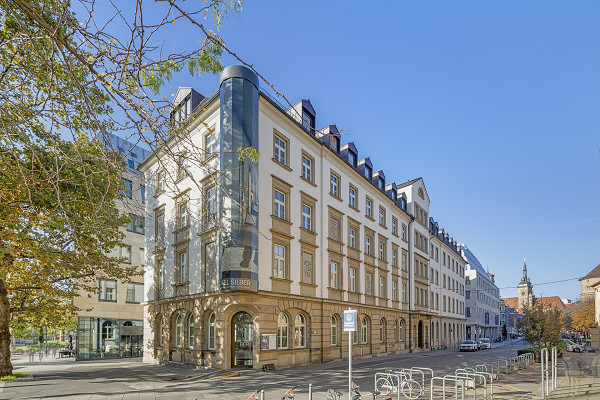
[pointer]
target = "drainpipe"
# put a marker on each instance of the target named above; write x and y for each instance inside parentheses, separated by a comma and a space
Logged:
(411, 283)
(323, 269)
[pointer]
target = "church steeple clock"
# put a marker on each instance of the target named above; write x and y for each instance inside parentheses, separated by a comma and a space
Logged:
(525, 290)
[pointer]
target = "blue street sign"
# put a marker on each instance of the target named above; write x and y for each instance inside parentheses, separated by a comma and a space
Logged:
(349, 320)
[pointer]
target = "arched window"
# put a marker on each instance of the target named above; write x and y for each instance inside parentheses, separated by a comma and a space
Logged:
(396, 331)
(161, 332)
(212, 331)
(190, 331)
(282, 331)
(334, 331)
(365, 331)
(402, 330)
(383, 330)
(179, 330)
(300, 331)
(108, 330)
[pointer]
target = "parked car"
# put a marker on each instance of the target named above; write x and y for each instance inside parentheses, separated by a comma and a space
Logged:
(468, 345)
(485, 343)
(572, 346)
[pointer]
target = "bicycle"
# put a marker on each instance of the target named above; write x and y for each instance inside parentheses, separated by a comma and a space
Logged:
(256, 395)
(355, 394)
(333, 395)
(289, 395)
(401, 381)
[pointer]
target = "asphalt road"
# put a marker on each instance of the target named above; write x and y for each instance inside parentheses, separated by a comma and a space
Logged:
(67, 379)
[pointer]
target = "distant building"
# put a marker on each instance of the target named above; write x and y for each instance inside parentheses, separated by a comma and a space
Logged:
(109, 324)
(589, 281)
(482, 299)
(525, 290)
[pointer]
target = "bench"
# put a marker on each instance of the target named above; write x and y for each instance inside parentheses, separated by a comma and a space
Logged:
(65, 353)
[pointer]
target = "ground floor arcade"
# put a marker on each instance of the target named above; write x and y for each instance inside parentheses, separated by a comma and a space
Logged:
(250, 330)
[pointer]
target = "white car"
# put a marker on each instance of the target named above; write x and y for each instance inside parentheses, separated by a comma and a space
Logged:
(572, 346)
(485, 343)
(468, 345)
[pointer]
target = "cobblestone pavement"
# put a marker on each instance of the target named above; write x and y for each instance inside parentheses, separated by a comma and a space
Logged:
(131, 379)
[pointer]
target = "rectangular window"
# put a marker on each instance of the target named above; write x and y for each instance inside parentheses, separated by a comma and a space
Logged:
(381, 216)
(183, 215)
(142, 256)
(182, 166)
(280, 150)
(161, 181)
(137, 224)
(404, 261)
(368, 245)
(279, 204)
(467, 311)
(334, 274)
(127, 188)
(159, 227)
(404, 292)
(468, 294)
(352, 197)
(183, 267)
(437, 254)
(394, 290)
(381, 251)
(135, 293)
(306, 217)
(394, 226)
(307, 168)
(143, 193)
(210, 207)
(353, 279)
(382, 291)
(334, 185)
(126, 254)
(279, 261)
(108, 290)
(351, 238)
(210, 144)
(369, 208)
(403, 232)
(394, 257)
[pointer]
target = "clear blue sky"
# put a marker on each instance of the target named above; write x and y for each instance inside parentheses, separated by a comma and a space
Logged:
(495, 104)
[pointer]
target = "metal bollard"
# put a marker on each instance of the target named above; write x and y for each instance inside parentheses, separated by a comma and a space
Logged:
(310, 391)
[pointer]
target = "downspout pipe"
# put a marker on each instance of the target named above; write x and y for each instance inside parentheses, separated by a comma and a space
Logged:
(411, 283)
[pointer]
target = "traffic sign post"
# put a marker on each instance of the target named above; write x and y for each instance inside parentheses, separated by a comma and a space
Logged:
(350, 327)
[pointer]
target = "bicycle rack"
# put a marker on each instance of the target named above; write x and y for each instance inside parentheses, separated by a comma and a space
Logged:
(478, 378)
(422, 370)
(391, 375)
(448, 378)
(546, 388)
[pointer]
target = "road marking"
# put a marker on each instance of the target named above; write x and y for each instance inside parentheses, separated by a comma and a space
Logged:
(222, 376)
(200, 376)
(512, 387)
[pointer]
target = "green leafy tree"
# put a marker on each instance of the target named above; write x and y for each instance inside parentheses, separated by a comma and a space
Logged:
(541, 327)
(63, 82)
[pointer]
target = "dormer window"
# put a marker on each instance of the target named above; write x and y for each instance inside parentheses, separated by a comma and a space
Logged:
(352, 158)
(335, 143)
(403, 203)
(183, 110)
(368, 172)
(394, 196)
(380, 184)
(308, 120)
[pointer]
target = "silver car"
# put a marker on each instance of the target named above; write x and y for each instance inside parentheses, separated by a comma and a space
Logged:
(485, 343)
(468, 345)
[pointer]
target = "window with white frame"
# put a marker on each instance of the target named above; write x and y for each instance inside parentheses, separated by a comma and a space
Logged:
(369, 207)
(368, 245)
(307, 166)
(352, 237)
(382, 251)
(382, 289)
(352, 197)
(280, 150)
(279, 268)
(300, 331)
(210, 206)
(394, 257)
(282, 331)
(382, 330)
(395, 290)
(365, 331)
(212, 332)
(135, 293)
(381, 216)
(182, 166)
(334, 185)
(279, 204)
(352, 272)
(108, 290)
(183, 267)
(179, 330)
(404, 292)
(210, 144)
(334, 331)
(334, 268)
(306, 217)
(403, 232)
(161, 182)
(183, 215)
(190, 331)
(394, 226)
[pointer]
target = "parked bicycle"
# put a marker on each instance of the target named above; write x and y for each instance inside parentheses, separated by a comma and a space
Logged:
(333, 395)
(399, 381)
(355, 395)
(289, 395)
(256, 395)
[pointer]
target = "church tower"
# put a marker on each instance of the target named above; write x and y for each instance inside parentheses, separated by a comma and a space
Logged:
(525, 290)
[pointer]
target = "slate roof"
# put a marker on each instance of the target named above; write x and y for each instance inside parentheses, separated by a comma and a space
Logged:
(474, 263)
(407, 183)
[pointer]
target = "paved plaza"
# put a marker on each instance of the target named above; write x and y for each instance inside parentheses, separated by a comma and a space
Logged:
(131, 379)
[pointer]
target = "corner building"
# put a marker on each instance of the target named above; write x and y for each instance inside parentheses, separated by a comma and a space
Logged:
(254, 263)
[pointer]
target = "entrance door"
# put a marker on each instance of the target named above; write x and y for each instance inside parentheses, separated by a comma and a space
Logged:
(420, 334)
(243, 338)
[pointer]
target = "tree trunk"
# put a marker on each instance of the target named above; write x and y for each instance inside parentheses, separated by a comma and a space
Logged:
(6, 367)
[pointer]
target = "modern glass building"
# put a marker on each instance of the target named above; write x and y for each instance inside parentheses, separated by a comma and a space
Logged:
(109, 338)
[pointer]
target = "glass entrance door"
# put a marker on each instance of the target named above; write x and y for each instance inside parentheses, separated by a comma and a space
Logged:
(243, 337)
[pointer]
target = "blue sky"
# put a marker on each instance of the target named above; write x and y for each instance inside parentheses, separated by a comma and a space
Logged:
(496, 106)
